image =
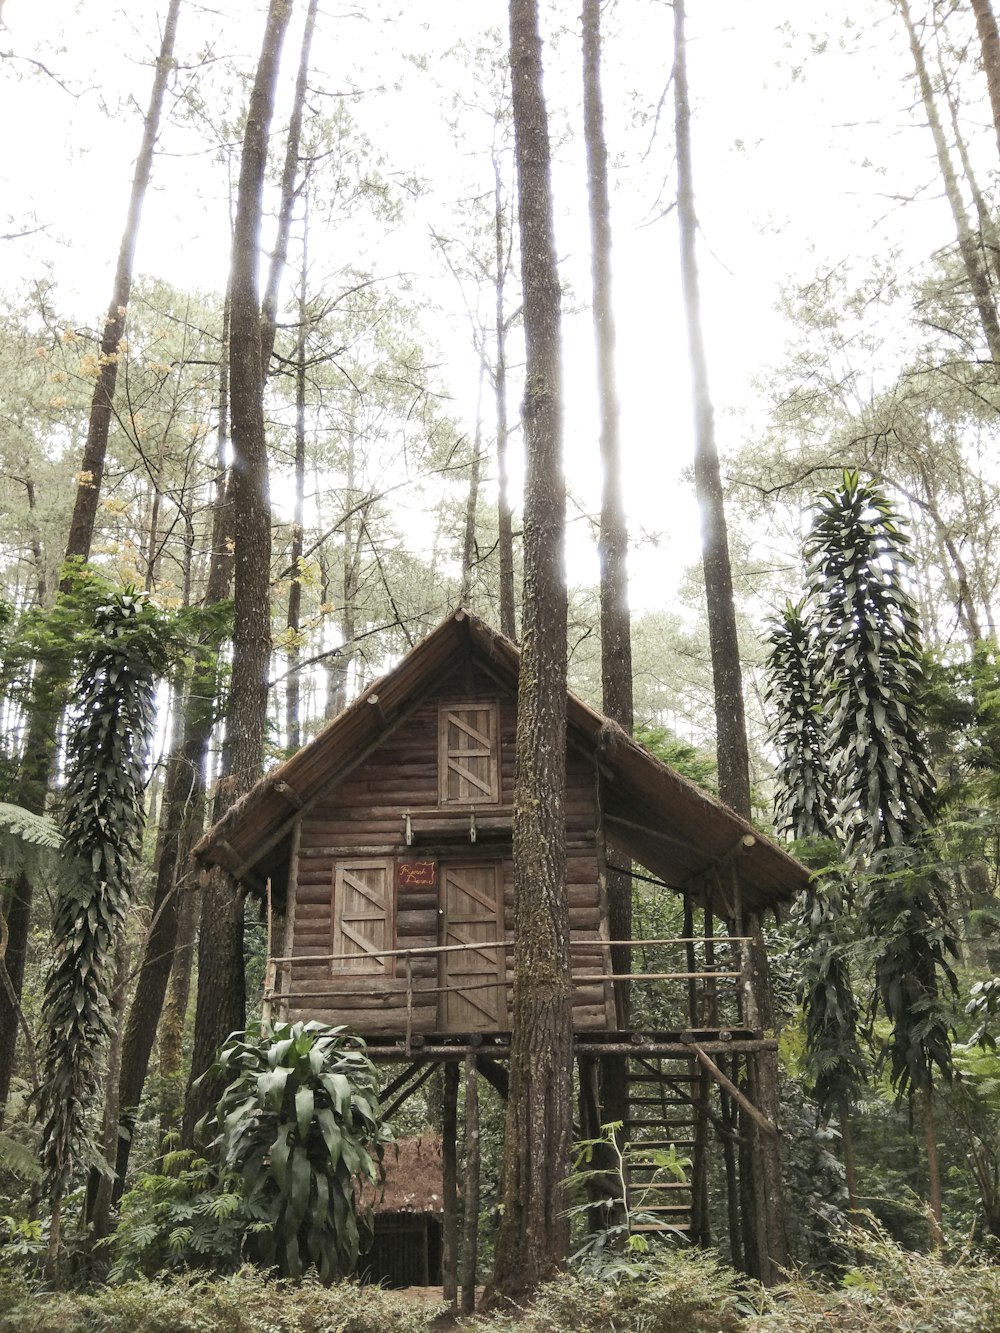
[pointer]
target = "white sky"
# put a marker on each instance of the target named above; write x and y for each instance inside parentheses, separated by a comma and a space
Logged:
(800, 160)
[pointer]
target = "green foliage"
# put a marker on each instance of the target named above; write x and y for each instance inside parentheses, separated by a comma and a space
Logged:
(697, 765)
(16, 822)
(851, 656)
(101, 829)
(298, 1124)
(190, 1219)
(835, 1066)
(682, 1292)
(894, 1288)
(244, 1302)
(617, 1251)
(871, 666)
(804, 803)
(904, 916)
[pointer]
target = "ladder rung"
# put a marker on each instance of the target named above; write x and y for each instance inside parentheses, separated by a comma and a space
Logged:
(665, 1144)
(649, 1123)
(656, 1101)
(660, 1184)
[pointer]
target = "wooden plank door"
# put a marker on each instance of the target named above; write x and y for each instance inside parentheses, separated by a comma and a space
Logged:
(472, 908)
(362, 916)
(468, 754)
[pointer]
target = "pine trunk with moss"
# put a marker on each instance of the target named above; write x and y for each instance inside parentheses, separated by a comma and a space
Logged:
(533, 1237)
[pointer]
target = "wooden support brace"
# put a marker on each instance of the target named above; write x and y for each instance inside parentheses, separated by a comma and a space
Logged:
(709, 1064)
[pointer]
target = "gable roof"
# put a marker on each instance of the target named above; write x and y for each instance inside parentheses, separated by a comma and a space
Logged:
(680, 833)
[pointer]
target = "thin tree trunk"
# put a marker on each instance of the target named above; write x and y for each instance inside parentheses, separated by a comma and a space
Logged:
(975, 272)
(449, 1184)
(81, 532)
(170, 1035)
(470, 1236)
(505, 536)
(289, 191)
(472, 500)
(101, 1184)
(533, 1237)
(989, 38)
(933, 1166)
(616, 640)
(293, 707)
(733, 758)
(847, 1148)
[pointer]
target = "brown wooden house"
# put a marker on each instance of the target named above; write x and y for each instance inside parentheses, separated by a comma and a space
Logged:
(387, 845)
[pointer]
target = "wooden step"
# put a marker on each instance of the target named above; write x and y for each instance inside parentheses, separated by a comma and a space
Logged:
(657, 1122)
(657, 1101)
(662, 1188)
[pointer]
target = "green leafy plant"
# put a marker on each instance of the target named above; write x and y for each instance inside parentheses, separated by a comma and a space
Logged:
(192, 1218)
(617, 1251)
(298, 1124)
(101, 830)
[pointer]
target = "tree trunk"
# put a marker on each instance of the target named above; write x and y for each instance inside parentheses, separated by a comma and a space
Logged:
(616, 641)
(533, 1237)
(289, 191)
(293, 706)
(170, 1036)
(933, 1165)
(47, 696)
(505, 536)
(102, 1182)
(733, 758)
(975, 272)
(470, 1235)
(183, 796)
(989, 39)
(472, 500)
(91, 472)
(221, 1005)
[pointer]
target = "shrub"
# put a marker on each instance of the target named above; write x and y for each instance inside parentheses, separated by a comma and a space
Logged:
(243, 1302)
(298, 1127)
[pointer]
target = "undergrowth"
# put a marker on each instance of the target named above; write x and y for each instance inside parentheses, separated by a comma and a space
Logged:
(683, 1292)
(244, 1302)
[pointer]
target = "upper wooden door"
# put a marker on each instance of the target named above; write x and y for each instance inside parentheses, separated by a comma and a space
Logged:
(468, 754)
(474, 999)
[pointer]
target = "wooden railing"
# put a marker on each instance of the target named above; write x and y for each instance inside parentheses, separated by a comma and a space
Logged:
(704, 979)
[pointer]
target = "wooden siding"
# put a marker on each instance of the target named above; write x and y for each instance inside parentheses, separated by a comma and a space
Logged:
(364, 820)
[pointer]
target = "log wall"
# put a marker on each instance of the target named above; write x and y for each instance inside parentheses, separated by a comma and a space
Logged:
(365, 817)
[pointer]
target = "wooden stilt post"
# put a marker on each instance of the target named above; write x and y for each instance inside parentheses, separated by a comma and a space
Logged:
(449, 1184)
(470, 1237)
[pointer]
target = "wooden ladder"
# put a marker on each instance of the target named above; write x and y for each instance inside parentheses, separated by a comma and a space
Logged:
(660, 1116)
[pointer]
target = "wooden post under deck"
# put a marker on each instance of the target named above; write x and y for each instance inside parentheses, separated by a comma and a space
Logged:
(449, 1183)
(470, 1238)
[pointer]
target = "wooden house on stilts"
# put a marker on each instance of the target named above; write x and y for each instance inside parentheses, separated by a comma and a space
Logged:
(387, 844)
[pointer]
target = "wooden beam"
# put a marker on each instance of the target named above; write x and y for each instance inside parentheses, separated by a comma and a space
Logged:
(713, 1069)
(389, 1111)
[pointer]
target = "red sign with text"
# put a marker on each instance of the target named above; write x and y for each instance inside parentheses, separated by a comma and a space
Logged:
(416, 874)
